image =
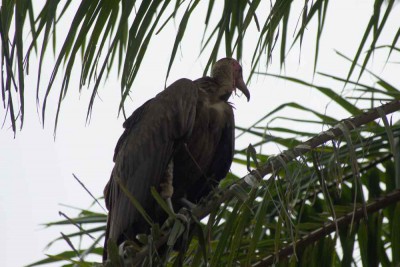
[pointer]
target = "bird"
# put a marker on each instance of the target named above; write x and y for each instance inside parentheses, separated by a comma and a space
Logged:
(181, 142)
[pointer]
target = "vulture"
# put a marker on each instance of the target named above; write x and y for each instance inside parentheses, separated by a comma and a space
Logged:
(180, 142)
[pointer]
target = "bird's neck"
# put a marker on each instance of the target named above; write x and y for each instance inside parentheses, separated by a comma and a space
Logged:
(225, 85)
(215, 89)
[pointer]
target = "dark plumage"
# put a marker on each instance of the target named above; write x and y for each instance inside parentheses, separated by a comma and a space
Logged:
(189, 129)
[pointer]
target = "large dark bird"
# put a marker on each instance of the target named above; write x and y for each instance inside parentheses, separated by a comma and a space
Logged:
(181, 142)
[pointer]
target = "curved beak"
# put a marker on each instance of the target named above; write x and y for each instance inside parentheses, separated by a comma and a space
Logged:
(242, 87)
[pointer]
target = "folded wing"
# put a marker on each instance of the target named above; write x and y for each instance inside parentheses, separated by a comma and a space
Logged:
(142, 154)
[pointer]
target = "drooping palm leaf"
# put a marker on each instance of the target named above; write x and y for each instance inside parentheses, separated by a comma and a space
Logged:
(129, 27)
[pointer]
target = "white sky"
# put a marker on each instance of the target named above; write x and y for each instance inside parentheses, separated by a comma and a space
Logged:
(36, 171)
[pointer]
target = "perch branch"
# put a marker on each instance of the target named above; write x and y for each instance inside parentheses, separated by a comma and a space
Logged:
(288, 155)
(276, 163)
(330, 227)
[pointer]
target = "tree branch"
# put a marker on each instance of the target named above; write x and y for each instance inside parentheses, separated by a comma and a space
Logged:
(328, 228)
(288, 155)
(275, 163)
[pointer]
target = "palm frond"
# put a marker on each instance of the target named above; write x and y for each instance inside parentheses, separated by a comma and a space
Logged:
(130, 32)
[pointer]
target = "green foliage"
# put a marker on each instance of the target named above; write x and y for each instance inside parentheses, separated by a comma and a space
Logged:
(128, 27)
(308, 212)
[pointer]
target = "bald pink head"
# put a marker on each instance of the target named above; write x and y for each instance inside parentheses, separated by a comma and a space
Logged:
(229, 68)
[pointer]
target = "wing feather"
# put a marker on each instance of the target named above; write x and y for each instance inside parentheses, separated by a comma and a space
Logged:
(223, 155)
(129, 124)
(144, 151)
(217, 166)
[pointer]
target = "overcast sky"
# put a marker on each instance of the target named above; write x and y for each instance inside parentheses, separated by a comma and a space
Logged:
(36, 170)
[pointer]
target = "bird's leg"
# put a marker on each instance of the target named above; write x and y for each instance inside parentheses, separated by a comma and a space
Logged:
(166, 192)
(167, 189)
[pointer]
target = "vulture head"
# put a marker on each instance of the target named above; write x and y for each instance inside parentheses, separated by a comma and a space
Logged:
(228, 74)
